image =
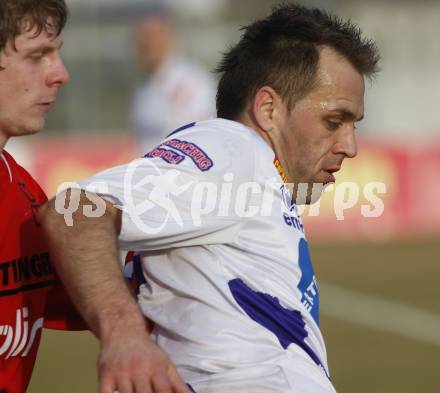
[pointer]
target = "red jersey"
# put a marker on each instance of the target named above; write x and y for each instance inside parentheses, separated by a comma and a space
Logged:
(26, 278)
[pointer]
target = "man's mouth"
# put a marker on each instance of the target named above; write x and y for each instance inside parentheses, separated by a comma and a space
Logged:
(328, 174)
(46, 106)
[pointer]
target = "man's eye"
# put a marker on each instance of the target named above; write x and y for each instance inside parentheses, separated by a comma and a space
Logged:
(36, 56)
(333, 124)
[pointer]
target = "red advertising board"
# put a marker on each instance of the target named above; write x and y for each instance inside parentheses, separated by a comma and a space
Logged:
(73, 159)
(402, 178)
(387, 191)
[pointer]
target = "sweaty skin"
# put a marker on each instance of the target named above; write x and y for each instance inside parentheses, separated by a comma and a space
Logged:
(313, 139)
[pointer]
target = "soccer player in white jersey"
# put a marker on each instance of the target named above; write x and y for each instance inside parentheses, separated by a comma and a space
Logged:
(221, 260)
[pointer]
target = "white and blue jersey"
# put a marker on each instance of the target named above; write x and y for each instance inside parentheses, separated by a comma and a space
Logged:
(222, 261)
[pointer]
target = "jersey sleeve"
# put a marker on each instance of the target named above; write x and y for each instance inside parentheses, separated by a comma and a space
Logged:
(184, 192)
(60, 314)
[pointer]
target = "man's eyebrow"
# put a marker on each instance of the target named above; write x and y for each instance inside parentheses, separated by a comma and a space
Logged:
(44, 47)
(346, 114)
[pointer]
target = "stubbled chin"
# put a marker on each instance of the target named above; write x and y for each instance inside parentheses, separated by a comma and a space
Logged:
(32, 128)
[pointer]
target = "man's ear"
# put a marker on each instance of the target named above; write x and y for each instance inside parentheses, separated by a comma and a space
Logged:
(2, 59)
(265, 107)
(5, 52)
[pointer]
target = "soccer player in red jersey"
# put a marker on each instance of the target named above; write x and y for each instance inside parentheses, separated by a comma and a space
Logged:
(31, 73)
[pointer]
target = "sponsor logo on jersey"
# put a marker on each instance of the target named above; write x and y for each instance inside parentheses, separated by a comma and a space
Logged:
(307, 284)
(168, 156)
(293, 222)
(188, 149)
(25, 273)
(18, 340)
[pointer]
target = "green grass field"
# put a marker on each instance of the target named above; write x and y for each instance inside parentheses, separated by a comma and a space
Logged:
(362, 359)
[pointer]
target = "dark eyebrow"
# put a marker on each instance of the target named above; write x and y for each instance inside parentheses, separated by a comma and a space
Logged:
(45, 48)
(346, 114)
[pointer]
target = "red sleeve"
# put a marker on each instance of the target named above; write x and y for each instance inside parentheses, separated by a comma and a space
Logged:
(60, 313)
(21, 235)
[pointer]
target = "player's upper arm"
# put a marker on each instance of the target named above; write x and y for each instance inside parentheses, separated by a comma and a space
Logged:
(76, 206)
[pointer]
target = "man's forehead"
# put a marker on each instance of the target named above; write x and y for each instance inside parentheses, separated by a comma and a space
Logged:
(32, 38)
(346, 109)
(336, 71)
(339, 86)
(349, 105)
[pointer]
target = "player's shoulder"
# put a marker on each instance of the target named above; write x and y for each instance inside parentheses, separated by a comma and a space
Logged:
(217, 134)
(8, 160)
(215, 145)
(20, 175)
(216, 128)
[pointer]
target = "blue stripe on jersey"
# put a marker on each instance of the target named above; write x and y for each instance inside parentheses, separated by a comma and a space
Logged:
(182, 128)
(191, 388)
(307, 285)
(137, 271)
(287, 325)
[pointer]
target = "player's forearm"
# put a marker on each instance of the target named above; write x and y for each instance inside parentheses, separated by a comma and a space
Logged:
(85, 256)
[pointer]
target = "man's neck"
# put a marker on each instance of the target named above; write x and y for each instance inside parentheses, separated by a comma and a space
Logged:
(274, 144)
(249, 122)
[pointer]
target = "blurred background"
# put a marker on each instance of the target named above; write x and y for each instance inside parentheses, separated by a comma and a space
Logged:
(378, 275)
